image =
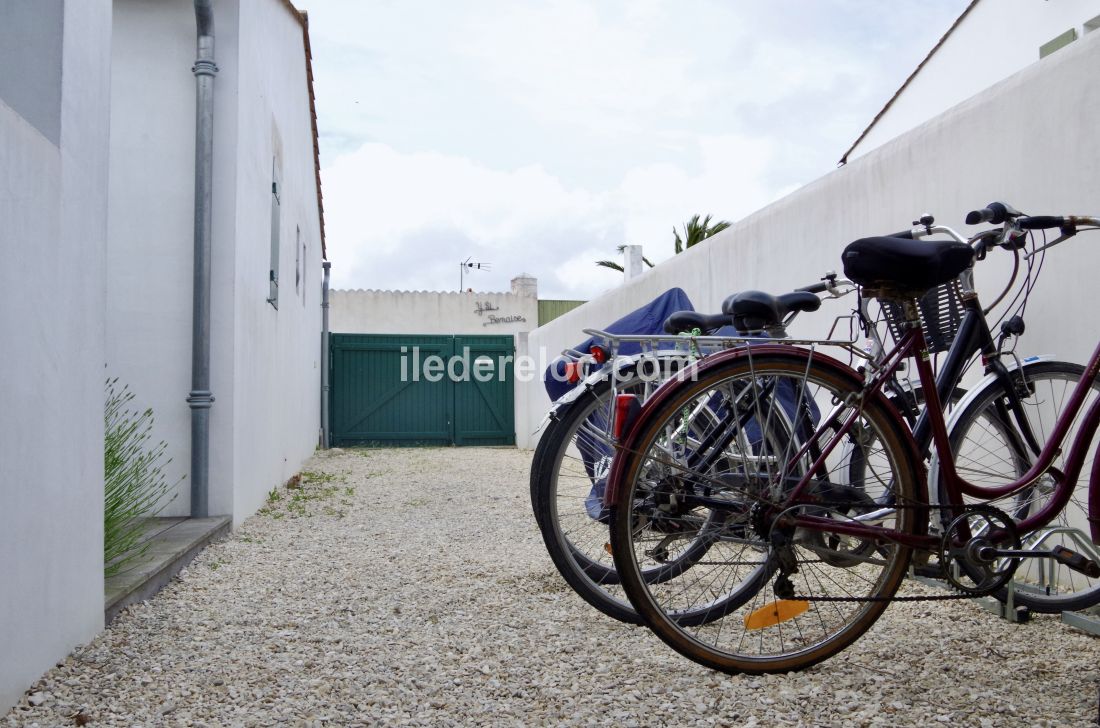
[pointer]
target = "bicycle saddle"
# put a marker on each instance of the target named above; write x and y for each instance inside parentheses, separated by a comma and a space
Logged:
(756, 310)
(910, 267)
(685, 321)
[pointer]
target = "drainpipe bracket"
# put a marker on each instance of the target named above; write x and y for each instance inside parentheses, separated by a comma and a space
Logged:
(205, 68)
(199, 399)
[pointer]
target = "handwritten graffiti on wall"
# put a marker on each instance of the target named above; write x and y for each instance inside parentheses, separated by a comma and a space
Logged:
(504, 320)
(481, 308)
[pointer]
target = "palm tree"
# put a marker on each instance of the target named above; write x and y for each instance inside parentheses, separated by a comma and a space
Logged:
(619, 266)
(696, 232)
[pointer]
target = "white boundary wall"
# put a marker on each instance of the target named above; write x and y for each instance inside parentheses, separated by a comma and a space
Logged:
(431, 312)
(1031, 140)
(996, 38)
(54, 211)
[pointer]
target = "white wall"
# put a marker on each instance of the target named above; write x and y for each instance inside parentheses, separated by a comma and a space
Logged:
(1042, 157)
(431, 312)
(53, 207)
(277, 375)
(151, 239)
(996, 39)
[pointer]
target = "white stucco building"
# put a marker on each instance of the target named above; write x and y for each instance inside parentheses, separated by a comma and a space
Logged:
(990, 41)
(98, 153)
(265, 340)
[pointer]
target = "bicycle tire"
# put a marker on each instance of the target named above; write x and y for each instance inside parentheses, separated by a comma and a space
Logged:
(984, 454)
(734, 577)
(571, 457)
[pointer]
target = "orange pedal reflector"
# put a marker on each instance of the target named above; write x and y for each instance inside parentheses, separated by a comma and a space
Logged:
(778, 611)
(607, 548)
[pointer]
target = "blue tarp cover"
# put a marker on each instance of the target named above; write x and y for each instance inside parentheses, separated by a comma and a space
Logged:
(649, 319)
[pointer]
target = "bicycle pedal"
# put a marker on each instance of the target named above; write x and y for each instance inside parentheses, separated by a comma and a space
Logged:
(930, 571)
(1078, 562)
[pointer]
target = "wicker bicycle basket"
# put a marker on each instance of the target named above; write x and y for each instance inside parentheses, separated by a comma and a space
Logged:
(940, 312)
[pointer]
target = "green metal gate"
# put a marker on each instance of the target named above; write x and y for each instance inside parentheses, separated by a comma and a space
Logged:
(396, 389)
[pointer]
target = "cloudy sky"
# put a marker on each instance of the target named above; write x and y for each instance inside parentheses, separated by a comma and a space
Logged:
(538, 135)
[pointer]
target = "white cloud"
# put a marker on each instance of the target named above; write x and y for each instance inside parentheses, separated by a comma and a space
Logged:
(583, 64)
(406, 220)
(539, 135)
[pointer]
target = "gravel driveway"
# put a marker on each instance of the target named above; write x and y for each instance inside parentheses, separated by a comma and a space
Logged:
(411, 587)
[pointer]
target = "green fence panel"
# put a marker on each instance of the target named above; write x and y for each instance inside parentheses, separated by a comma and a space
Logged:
(381, 393)
(484, 396)
(397, 389)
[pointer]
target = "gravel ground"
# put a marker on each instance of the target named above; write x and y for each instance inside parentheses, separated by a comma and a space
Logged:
(411, 587)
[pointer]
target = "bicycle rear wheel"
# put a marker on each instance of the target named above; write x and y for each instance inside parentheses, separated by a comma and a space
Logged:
(780, 598)
(989, 451)
(568, 476)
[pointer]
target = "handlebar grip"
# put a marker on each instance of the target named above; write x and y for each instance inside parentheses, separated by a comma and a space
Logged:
(819, 287)
(1041, 222)
(975, 217)
(907, 234)
(994, 212)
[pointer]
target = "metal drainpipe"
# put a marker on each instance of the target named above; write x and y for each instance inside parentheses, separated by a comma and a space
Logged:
(324, 357)
(201, 398)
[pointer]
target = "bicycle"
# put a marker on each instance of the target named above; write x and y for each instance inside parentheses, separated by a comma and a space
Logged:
(574, 453)
(580, 421)
(820, 558)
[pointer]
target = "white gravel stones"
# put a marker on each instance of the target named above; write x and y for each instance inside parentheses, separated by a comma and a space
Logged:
(410, 587)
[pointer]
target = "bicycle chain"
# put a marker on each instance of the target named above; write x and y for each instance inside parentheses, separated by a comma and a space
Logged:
(931, 598)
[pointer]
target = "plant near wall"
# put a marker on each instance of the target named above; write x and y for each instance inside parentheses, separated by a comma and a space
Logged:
(696, 231)
(619, 266)
(135, 484)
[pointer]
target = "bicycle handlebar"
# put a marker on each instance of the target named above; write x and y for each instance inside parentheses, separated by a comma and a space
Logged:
(999, 213)
(1015, 223)
(1041, 222)
(1068, 223)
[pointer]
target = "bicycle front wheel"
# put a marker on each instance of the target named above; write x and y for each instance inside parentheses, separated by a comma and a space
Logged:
(989, 451)
(779, 598)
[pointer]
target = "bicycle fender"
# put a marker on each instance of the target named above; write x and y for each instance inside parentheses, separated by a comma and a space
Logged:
(971, 394)
(1094, 493)
(620, 367)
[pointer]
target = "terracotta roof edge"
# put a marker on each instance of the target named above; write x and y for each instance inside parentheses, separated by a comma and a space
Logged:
(303, 20)
(882, 111)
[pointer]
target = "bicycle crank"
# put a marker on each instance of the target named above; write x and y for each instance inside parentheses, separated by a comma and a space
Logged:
(1064, 556)
(980, 550)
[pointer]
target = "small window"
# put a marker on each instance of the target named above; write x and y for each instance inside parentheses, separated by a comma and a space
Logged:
(276, 219)
(297, 259)
(305, 268)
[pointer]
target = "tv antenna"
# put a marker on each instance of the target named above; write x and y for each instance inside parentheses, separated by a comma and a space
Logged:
(468, 265)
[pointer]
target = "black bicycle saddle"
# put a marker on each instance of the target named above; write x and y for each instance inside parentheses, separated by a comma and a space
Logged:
(911, 266)
(756, 310)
